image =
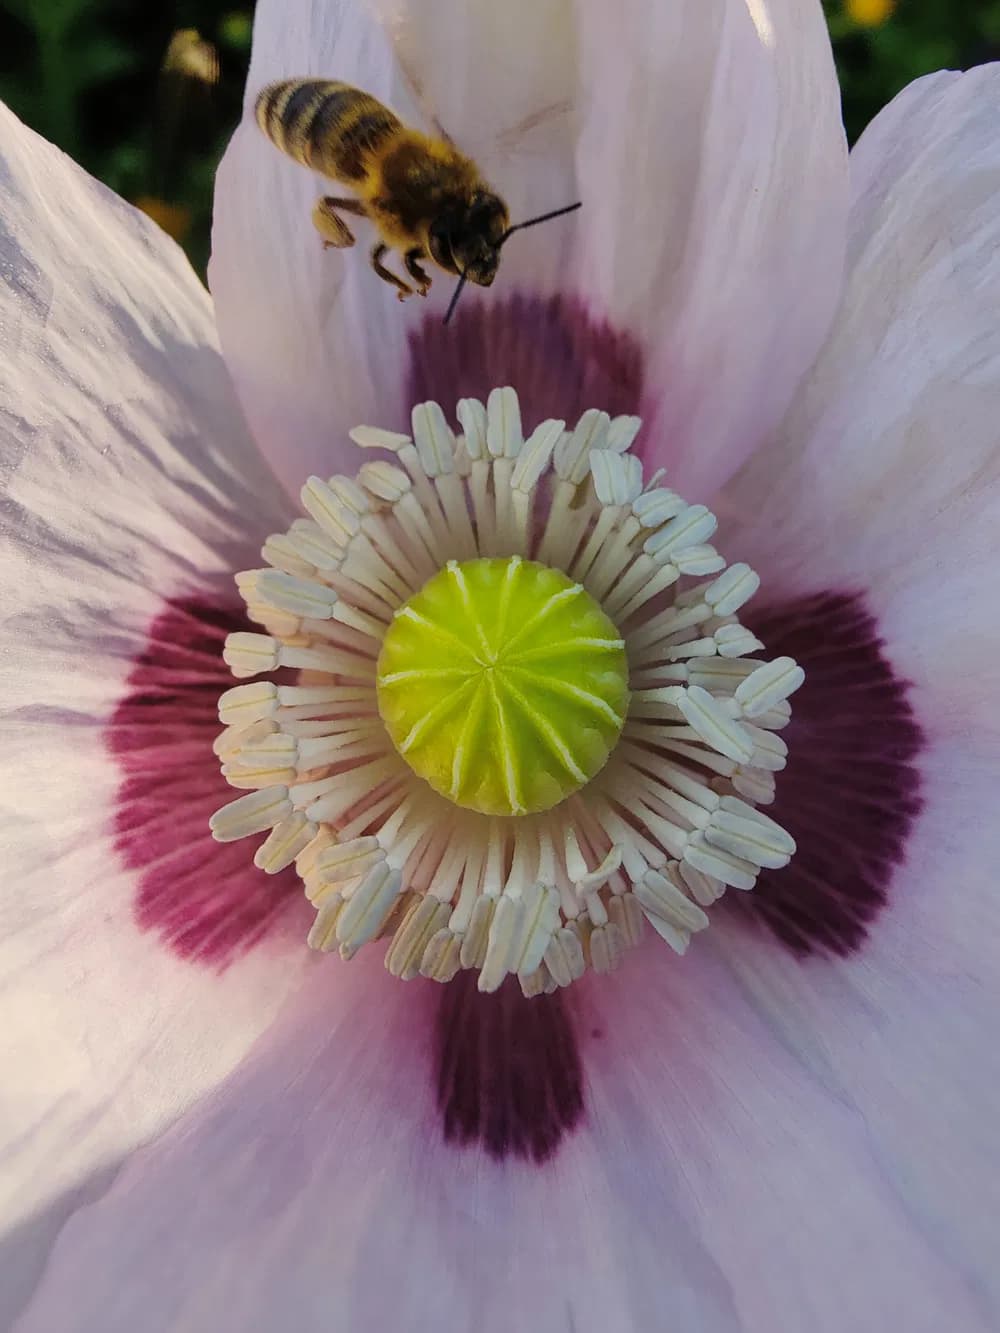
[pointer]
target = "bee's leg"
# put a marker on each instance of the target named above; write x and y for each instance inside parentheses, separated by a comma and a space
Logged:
(402, 290)
(412, 261)
(331, 227)
(354, 206)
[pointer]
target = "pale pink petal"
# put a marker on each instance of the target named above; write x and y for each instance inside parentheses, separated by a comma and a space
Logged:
(717, 1182)
(129, 479)
(903, 1036)
(712, 139)
(886, 475)
(710, 159)
(885, 482)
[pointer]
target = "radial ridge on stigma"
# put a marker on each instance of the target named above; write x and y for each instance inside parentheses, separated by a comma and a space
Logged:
(651, 832)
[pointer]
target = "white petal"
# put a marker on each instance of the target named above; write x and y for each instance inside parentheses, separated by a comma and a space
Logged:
(713, 168)
(902, 1036)
(886, 475)
(128, 478)
(703, 139)
(724, 1179)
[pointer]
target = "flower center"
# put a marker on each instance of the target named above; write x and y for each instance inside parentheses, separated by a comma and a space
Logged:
(527, 720)
(504, 684)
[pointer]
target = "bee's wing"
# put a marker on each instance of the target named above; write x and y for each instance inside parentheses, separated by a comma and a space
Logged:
(537, 133)
(418, 91)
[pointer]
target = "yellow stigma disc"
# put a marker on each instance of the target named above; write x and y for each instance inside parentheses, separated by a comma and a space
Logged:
(504, 684)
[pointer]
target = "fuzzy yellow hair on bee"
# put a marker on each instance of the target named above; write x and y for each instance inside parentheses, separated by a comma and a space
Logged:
(426, 199)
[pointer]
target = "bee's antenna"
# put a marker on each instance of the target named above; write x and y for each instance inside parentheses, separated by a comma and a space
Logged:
(454, 299)
(543, 217)
(519, 226)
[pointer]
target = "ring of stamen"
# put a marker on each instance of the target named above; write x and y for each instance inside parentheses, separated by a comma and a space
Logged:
(654, 835)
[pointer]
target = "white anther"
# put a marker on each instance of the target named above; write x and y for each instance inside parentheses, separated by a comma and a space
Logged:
(770, 752)
(536, 455)
(367, 907)
(721, 864)
(621, 432)
(690, 648)
(756, 785)
(373, 437)
(607, 949)
(323, 935)
(472, 414)
(661, 896)
(424, 919)
(740, 829)
(656, 507)
(536, 983)
(770, 684)
(697, 561)
(477, 934)
(385, 481)
(503, 423)
(519, 934)
(732, 589)
(345, 861)
(314, 545)
(693, 525)
(736, 641)
(245, 704)
(284, 843)
(572, 455)
(250, 654)
(281, 552)
(302, 597)
(434, 439)
(625, 911)
(707, 716)
(350, 494)
(617, 478)
(253, 813)
(564, 957)
(334, 517)
(678, 940)
(704, 889)
(229, 742)
(442, 955)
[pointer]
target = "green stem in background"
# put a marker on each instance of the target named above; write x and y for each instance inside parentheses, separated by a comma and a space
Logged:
(58, 68)
(59, 87)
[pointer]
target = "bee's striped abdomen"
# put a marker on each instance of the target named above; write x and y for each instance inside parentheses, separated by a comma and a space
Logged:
(325, 125)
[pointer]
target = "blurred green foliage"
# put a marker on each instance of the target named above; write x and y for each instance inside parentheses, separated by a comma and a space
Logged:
(922, 35)
(87, 74)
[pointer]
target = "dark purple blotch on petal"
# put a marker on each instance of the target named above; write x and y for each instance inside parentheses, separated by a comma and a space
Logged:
(206, 900)
(560, 360)
(509, 1075)
(851, 790)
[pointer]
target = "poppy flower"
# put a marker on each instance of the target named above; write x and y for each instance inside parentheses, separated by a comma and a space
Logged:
(210, 1125)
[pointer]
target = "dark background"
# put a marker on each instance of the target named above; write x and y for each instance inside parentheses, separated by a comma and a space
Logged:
(88, 74)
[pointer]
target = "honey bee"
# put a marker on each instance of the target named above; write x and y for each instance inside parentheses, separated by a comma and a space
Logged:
(426, 199)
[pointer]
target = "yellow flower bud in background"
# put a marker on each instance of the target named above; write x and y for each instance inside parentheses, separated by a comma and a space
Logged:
(870, 13)
(175, 219)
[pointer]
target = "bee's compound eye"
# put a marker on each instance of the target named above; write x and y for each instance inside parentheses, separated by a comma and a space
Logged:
(440, 240)
(486, 215)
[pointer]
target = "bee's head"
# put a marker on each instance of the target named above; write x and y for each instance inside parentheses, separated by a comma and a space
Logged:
(467, 239)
